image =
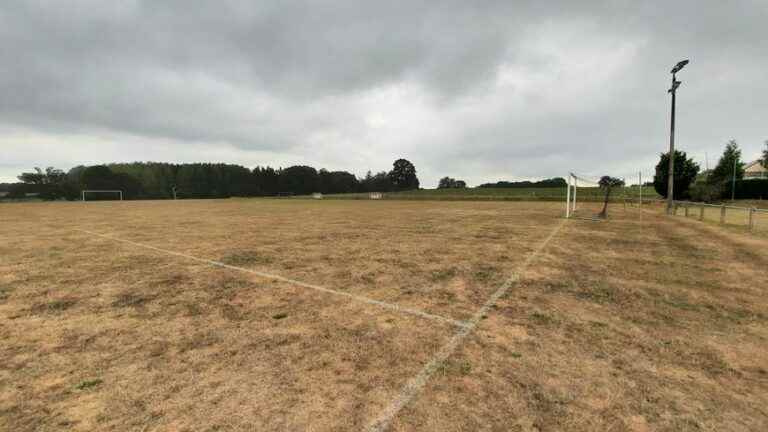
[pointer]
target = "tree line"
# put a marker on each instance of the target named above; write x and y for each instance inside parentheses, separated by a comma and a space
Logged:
(725, 181)
(546, 183)
(157, 180)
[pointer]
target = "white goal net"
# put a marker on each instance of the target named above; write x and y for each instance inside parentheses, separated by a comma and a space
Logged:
(102, 195)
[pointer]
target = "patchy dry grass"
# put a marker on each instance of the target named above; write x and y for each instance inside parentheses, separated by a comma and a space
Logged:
(640, 323)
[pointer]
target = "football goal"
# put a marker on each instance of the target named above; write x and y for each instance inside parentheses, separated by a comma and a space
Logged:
(575, 185)
(103, 194)
(375, 195)
(586, 197)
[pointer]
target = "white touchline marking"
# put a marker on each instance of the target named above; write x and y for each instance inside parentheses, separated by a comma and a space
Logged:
(359, 298)
(417, 383)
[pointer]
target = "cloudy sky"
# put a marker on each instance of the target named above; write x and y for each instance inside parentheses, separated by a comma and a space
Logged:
(478, 90)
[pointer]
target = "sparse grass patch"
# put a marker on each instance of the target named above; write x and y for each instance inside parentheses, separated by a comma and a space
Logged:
(53, 307)
(87, 384)
(601, 293)
(443, 274)
(485, 273)
(245, 258)
(455, 367)
(129, 300)
(199, 340)
(544, 319)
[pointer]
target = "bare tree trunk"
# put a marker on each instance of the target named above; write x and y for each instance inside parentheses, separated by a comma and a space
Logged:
(604, 214)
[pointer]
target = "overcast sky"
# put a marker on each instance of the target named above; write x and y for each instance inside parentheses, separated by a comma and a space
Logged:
(480, 91)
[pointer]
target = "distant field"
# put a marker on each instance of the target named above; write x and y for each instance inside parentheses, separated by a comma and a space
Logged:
(506, 194)
(275, 315)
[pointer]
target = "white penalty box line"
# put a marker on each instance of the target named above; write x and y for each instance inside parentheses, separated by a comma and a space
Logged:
(416, 384)
(354, 297)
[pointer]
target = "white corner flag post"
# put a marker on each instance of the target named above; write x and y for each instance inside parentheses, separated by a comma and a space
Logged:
(568, 198)
(575, 188)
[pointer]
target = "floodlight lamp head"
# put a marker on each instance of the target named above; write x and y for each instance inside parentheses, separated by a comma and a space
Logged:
(679, 66)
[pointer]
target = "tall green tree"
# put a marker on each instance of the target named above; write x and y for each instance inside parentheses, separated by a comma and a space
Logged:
(101, 177)
(403, 175)
(51, 175)
(379, 182)
(685, 174)
(451, 183)
(765, 155)
(48, 183)
(728, 166)
(446, 183)
(300, 180)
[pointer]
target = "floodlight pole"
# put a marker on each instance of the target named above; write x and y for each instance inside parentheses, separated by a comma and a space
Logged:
(671, 173)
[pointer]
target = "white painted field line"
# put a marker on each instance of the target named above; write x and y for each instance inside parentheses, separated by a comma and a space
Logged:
(359, 298)
(414, 386)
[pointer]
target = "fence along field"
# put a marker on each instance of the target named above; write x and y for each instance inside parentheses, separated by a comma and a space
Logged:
(252, 314)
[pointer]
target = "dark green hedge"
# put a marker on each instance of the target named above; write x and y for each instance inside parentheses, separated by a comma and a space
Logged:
(752, 189)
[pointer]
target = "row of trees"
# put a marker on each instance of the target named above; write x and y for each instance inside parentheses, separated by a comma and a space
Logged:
(451, 183)
(207, 180)
(718, 183)
(546, 183)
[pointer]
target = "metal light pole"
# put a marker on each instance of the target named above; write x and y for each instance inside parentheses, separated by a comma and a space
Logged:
(671, 179)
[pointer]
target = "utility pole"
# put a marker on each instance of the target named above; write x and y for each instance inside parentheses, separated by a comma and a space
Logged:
(671, 173)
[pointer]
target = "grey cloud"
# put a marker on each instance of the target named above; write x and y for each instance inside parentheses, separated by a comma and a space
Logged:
(293, 77)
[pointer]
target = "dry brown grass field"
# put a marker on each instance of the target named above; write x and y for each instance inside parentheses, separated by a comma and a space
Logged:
(276, 315)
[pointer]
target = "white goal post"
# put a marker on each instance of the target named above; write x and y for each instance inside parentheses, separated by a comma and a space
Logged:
(94, 191)
(572, 194)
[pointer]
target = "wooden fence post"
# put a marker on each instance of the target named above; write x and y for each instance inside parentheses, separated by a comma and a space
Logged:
(722, 215)
(751, 218)
(701, 213)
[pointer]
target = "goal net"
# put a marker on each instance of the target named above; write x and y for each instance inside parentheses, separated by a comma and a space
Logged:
(101, 195)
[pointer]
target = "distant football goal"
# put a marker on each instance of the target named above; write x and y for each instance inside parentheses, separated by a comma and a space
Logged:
(101, 195)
